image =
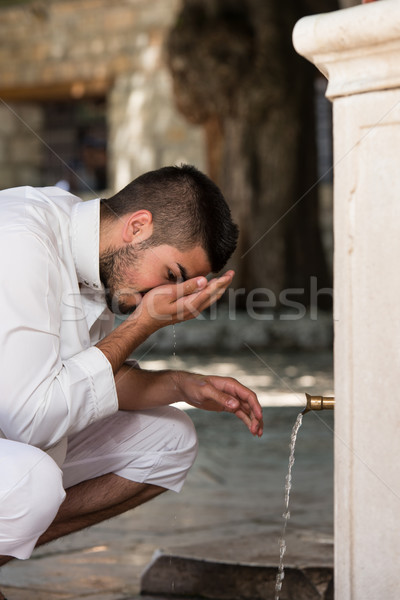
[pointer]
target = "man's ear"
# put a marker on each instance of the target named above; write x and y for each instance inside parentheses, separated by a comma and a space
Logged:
(138, 227)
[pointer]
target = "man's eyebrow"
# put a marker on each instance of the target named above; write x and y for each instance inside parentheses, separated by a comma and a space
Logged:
(183, 272)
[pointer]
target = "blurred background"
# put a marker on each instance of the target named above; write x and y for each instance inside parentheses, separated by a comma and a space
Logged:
(93, 93)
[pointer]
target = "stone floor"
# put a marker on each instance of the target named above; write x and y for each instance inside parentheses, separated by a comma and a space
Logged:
(229, 511)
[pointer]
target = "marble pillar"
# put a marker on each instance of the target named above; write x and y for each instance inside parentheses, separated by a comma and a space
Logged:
(358, 50)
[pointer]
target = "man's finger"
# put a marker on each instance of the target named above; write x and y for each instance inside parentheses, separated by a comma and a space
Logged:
(197, 294)
(190, 286)
(216, 284)
(247, 397)
(211, 292)
(226, 401)
(254, 426)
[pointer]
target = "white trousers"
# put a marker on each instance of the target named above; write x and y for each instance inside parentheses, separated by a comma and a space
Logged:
(156, 446)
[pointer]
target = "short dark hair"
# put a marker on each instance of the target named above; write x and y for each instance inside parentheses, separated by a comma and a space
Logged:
(188, 209)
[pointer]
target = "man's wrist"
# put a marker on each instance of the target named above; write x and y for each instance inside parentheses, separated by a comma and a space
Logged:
(122, 341)
(178, 384)
(150, 323)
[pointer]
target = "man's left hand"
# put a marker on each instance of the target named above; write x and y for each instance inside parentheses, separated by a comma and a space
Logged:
(210, 392)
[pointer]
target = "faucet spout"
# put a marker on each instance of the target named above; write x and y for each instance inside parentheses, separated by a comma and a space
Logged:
(319, 403)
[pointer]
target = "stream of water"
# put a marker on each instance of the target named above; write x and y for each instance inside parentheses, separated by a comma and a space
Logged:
(288, 485)
(286, 514)
(173, 343)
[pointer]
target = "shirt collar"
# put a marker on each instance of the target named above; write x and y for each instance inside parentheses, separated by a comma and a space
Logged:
(85, 227)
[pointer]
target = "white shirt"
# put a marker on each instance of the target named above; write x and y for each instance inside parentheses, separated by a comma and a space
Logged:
(53, 381)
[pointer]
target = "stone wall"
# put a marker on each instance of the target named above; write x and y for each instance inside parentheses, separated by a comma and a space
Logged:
(145, 131)
(20, 148)
(70, 41)
(65, 49)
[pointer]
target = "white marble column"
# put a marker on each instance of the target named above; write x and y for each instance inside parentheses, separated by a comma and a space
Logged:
(358, 50)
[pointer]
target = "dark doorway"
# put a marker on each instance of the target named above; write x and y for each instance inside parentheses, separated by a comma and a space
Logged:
(75, 153)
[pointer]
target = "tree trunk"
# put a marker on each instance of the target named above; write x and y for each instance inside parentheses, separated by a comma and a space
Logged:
(258, 181)
(235, 70)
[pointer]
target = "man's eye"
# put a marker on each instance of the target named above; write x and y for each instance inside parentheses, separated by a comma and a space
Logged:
(171, 276)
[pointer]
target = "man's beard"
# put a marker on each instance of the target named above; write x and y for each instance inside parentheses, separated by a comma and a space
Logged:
(113, 263)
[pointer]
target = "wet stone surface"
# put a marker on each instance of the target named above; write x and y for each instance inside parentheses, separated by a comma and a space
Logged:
(229, 512)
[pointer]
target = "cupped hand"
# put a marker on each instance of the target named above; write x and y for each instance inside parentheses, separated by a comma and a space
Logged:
(174, 303)
(210, 392)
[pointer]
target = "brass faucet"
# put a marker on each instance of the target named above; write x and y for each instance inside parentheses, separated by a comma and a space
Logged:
(318, 403)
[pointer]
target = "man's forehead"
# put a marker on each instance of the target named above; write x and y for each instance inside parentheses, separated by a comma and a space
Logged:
(190, 263)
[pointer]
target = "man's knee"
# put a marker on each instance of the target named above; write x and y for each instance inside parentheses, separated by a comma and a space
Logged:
(179, 434)
(164, 450)
(180, 446)
(31, 493)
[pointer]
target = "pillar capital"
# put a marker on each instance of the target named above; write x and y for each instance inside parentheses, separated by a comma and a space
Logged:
(357, 49)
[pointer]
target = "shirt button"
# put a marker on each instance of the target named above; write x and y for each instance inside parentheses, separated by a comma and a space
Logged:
(85, 282)
(95, 285)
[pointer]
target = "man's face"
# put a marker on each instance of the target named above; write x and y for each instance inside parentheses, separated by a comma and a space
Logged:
(127, 273)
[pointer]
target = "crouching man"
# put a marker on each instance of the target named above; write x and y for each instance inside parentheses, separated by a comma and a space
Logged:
(84, 435)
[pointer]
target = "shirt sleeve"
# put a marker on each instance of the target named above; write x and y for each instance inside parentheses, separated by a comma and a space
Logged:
(42, 398)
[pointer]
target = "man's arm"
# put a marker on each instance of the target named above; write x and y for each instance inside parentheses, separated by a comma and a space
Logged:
(43, 397)
(139, 389)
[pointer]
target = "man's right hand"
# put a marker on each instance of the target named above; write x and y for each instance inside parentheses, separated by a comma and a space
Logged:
(161, 306)
(169, 304)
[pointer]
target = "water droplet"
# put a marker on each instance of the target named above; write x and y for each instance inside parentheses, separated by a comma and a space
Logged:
(174, 341)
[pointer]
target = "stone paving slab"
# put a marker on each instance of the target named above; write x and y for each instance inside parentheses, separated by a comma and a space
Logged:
(230, 508)
(217, 580)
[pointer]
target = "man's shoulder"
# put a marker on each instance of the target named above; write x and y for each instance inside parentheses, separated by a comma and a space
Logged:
(39, 208)
(25, 196)
(41, 212)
